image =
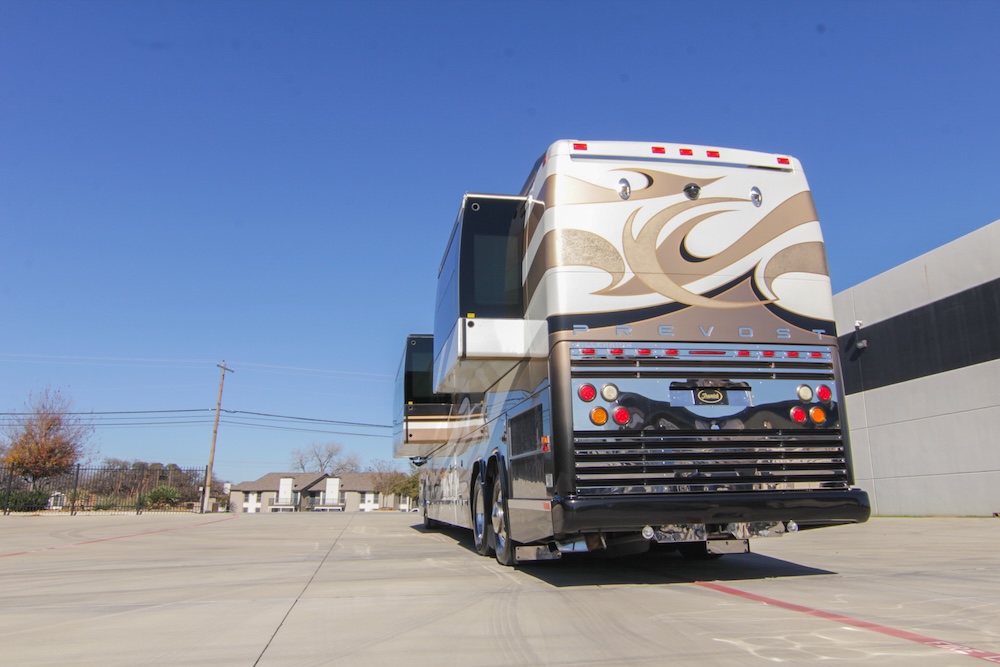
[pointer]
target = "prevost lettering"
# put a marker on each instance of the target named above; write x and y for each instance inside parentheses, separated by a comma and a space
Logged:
(670, 331)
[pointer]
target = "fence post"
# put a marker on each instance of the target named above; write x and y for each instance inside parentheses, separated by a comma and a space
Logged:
(76, 487)
(142, 490)
(6, 499)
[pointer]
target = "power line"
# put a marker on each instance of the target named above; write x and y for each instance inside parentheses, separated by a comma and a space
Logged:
(104, 418)
(309, 419)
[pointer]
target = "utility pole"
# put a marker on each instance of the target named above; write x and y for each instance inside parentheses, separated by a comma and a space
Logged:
(207, 495)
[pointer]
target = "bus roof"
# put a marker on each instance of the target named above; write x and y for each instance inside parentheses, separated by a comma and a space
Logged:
(657, 152)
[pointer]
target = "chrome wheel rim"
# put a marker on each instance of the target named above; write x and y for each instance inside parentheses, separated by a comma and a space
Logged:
(499, 523)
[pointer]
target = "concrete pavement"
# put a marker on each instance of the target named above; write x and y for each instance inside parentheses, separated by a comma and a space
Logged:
(376, 589)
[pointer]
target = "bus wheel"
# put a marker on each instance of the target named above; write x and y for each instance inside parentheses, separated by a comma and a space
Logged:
(501, 525)
(482, 527)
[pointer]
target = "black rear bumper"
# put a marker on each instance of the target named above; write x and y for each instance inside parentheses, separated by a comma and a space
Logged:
(809, 509)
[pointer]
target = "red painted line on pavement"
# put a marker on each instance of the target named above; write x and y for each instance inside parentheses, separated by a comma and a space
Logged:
(960, 649)
(116, 537)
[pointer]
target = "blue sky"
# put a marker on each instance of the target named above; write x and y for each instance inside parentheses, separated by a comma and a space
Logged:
(273, 183)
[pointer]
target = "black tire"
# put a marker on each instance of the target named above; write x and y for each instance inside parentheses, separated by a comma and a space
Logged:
(502, 544)
(482, 528)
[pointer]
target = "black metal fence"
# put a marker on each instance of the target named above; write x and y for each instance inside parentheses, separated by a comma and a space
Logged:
(135, 488)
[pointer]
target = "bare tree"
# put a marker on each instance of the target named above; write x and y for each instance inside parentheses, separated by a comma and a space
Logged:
(386, 477)
(47, 439)
(328, 457)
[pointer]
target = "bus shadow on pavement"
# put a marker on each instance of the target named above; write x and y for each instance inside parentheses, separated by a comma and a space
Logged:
(652, 567)
(662, 568)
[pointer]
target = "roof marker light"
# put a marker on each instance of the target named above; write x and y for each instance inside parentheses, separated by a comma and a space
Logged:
(671, 353)
(616, 351)
(588, 351)
(793, 354)
(645, 352)
(816, 355)
(767, 353)
(687, 151)
(659, 150)
(579, 147)
(784, 160)
(743, 353)
(713, 154)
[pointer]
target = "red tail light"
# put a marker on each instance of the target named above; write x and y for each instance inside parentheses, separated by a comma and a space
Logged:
(587, 392)
(798, 415)
(621, 416)
(824, 393)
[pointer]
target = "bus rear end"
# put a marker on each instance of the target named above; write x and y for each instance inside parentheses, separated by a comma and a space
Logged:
(694, 363)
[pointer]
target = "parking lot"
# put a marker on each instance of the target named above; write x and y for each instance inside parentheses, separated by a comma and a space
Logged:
(376, 589)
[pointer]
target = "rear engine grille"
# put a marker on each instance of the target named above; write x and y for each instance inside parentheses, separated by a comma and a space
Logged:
(695, 463)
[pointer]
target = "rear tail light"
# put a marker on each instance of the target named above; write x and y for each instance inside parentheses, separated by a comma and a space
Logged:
(599, 416)
(804, 392)
(798, 415)
(621, 416)
(609, 392)
(587, 392)
(824, 393)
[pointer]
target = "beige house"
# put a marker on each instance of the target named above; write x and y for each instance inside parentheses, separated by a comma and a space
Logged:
(312, 492)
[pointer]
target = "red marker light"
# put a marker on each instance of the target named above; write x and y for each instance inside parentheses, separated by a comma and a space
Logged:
(620, 415)
(793, 354)
(784, 160)
(816, 355)
(687, 151)
(579, 147)
(743, 353)
(587, 392)
(767, 353)
(798, 415)
(659, 150)
(588, 351)
(616, 351)
(671, 353)
(713, 154)
(644, 352)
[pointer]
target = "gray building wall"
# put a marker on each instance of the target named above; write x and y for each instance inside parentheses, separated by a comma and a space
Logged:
(923, 398)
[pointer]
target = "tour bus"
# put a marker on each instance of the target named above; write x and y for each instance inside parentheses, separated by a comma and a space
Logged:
(636, 350)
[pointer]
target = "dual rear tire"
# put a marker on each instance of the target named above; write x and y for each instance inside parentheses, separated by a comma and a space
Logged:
(490, 522)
